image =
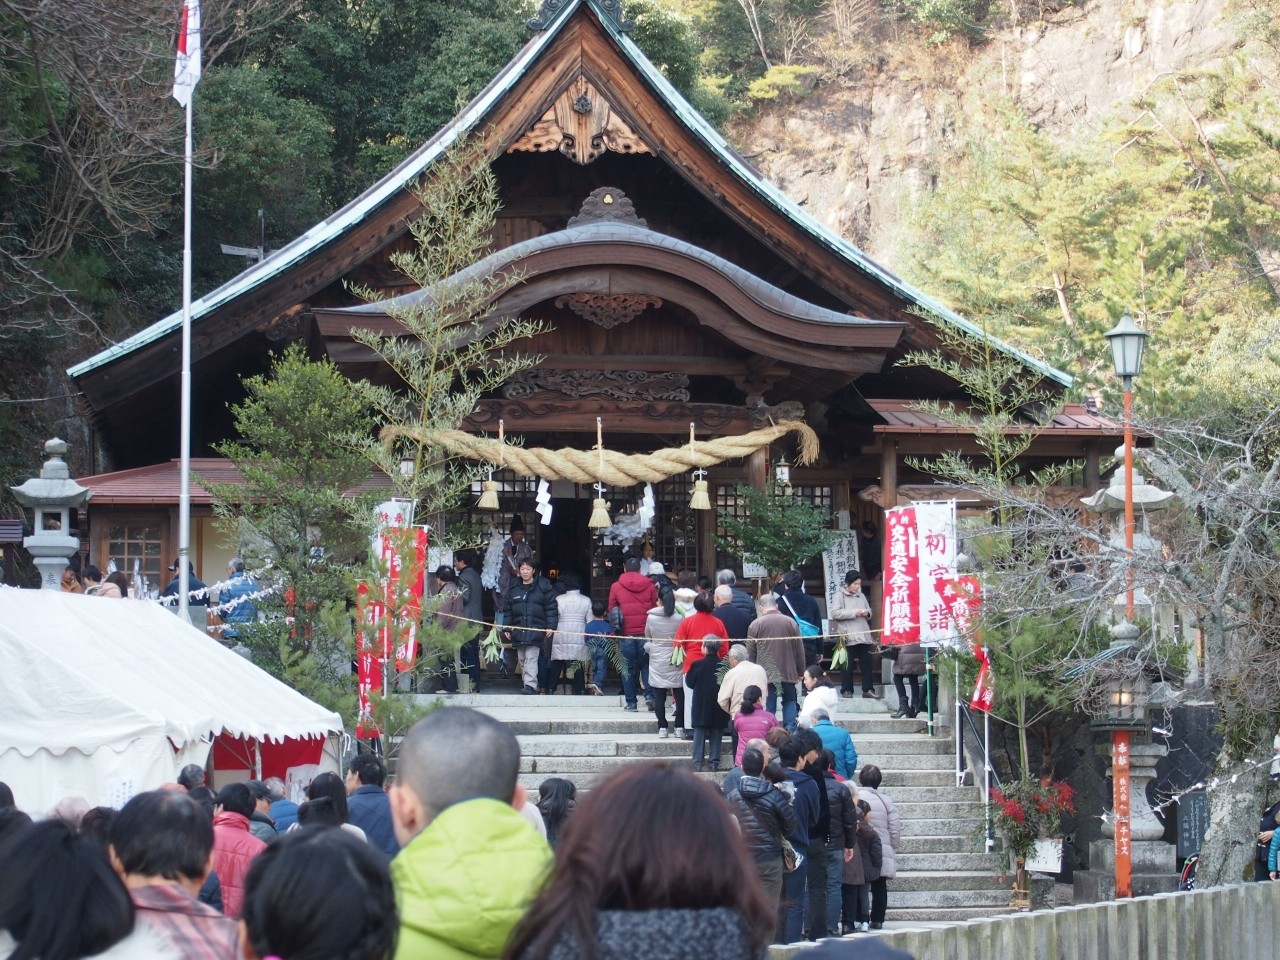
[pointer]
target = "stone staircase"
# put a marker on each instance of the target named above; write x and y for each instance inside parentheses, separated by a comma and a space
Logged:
(943, 873)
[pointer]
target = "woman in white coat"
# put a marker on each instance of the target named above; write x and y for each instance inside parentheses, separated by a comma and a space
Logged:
(568, 644)
(821, 696)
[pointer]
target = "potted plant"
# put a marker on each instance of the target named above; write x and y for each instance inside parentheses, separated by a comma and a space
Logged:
(1028, 812)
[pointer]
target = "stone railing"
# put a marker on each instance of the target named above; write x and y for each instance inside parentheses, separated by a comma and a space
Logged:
(1240, 922)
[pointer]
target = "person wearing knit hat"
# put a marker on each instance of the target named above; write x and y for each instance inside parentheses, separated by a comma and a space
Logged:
(514, 552)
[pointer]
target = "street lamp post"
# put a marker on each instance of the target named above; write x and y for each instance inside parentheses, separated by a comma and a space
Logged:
(1128, 342)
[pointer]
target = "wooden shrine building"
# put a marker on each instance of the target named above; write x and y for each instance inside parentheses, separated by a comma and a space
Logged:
(676, 284)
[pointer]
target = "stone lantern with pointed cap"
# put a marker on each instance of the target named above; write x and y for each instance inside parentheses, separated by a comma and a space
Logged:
(51, 496)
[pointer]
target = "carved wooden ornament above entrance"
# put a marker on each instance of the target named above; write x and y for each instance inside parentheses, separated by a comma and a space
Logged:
(582, 125)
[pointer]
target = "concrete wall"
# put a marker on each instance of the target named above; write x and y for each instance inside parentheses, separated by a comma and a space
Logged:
(1223, 923)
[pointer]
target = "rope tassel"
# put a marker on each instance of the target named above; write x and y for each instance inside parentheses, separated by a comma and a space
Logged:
(700, 500)
(599, 509)
(489, 491)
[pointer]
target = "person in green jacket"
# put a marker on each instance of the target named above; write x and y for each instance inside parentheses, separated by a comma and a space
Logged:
(470, 863)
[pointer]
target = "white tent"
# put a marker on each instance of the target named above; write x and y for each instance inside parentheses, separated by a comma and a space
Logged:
(104, 698)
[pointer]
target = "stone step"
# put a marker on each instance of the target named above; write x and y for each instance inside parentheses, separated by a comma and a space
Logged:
(919, 881)
(960, 809)
(932, 860)
(948, 827)
(933, 915)
(938, 845)
(925, 900)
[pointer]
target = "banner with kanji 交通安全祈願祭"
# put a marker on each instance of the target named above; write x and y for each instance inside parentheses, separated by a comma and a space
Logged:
(919, 551)
(901, 578)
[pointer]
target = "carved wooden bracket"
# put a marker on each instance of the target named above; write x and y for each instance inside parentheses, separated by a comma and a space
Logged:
(547, 412)
(608, 310)
(581, 124)
(616, 384)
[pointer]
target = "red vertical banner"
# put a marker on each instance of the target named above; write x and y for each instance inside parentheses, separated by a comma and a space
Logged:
(901, 577)
(1120, 802)
(413, 577)
(368, 663)
(984, 694)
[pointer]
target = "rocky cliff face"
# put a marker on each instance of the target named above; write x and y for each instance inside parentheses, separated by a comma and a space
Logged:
(851, 154)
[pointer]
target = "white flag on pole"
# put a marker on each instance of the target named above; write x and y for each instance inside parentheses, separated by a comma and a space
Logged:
(186, 70)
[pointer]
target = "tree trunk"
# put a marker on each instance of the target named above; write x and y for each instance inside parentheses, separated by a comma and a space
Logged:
(1234, 812)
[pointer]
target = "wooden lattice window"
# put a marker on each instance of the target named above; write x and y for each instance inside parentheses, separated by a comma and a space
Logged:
(140, 542)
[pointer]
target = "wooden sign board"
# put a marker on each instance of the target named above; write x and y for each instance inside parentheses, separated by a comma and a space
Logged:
(838, 558)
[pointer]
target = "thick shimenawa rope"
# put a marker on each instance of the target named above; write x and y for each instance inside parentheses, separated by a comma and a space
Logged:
(617, 469)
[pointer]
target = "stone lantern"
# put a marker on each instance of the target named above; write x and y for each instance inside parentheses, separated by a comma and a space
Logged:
(51, 496)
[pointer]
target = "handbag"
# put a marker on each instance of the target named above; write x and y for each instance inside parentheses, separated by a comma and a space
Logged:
(890, 652)
(807, 629)
(615, 618)
(791, 859)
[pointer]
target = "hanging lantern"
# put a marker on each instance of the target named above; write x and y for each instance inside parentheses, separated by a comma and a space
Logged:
(599, 508)
(700, 500)
(489, 495)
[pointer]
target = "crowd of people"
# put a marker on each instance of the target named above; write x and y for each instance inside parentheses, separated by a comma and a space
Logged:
(454, 861)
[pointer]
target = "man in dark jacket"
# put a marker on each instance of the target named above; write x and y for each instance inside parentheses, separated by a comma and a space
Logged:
(842, 838)
(741, 599)
(794, 602)
(530, 615)
(464, 562)
(736, 623)
(765, 816)
(816, 863)
(368, 806)
(805, 802)
(260, 823)
(635, 595)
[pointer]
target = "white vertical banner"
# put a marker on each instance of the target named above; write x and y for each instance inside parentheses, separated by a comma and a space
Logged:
(936, 533)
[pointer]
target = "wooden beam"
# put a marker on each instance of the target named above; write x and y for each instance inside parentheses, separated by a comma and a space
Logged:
(553, 414)
(889, 474)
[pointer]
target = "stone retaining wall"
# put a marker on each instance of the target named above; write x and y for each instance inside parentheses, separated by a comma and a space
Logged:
(1222, 923)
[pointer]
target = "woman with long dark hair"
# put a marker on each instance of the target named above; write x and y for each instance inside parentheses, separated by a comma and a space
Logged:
(556, 800)
(652, 864)
(326, 806)
(60, 900)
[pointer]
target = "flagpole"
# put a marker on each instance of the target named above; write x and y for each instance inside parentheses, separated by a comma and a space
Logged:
(184, 489)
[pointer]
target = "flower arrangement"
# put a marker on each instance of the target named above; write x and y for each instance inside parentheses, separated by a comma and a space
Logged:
(1029, 810)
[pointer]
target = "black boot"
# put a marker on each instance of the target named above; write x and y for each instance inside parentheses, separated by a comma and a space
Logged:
(902, 712)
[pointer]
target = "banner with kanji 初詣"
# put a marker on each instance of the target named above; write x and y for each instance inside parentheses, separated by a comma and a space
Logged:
(936, 533)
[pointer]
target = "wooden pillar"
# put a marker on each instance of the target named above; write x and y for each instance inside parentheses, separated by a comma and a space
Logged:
(707, 539)
(758, 468)
(889, 473)
(1093, 467)
(840, 503)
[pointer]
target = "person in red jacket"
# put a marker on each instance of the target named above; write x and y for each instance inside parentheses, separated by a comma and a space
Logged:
(696, 627)
(635, 595)
(234, 847)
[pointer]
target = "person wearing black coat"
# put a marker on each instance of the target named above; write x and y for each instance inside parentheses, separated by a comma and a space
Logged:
(909, 667)
(765, 816)
(530, 615)
(469, 582)
(842, 837)
(741, 599)
(794, 602)
(709, 721)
